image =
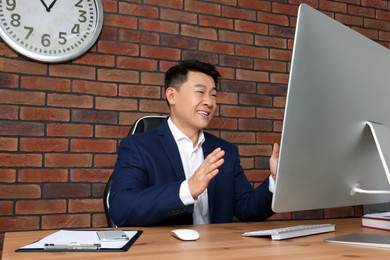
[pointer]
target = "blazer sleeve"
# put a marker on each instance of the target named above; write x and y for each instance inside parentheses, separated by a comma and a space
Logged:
(145, 190)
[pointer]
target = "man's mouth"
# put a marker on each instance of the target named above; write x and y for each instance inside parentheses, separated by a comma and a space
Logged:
(203, 113)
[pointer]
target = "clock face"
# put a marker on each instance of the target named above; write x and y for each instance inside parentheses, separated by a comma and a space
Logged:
(50, 30)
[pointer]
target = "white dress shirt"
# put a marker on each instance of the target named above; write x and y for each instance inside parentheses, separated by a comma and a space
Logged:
(192, 157)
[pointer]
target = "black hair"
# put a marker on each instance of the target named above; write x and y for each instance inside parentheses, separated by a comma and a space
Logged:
(177, 75)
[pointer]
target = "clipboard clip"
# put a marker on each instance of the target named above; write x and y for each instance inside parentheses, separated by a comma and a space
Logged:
(73, 246)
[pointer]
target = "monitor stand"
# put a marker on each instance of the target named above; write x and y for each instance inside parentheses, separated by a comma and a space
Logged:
(381, 136)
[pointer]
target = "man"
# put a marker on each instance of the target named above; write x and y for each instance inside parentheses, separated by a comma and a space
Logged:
(179, 174)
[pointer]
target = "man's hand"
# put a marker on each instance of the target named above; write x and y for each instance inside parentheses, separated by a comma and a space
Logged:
(201, 178)
(273, 160)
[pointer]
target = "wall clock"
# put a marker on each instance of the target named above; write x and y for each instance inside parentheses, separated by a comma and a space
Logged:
(51, 30)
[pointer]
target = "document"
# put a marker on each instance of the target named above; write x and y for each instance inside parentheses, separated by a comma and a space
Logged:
(82, 240)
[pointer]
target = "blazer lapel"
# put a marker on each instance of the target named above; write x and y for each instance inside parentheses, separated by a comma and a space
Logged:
(170, 147)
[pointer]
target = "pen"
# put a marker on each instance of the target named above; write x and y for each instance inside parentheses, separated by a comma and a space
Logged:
(72, 246)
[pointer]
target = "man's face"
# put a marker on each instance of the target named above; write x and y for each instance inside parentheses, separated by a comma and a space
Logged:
(193, 104)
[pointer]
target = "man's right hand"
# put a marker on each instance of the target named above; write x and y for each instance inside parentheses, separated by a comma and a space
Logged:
(201, 178)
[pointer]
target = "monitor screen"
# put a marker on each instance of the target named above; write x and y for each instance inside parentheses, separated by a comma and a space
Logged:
(335, 143)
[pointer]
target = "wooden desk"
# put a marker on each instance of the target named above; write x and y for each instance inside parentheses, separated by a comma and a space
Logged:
(217, 241)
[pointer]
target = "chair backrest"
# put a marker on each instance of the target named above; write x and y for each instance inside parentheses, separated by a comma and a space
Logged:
(143, 124)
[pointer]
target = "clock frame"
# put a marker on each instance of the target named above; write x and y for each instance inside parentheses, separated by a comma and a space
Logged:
(51, 30)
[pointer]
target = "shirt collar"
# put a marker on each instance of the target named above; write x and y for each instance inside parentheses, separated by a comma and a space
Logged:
(179, 135)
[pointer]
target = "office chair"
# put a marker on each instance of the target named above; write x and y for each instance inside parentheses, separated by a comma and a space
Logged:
(143, 124)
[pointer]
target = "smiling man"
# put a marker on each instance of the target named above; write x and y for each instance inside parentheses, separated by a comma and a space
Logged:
(179, 174)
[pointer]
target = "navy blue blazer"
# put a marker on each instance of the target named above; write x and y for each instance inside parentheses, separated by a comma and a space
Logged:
(148, 174)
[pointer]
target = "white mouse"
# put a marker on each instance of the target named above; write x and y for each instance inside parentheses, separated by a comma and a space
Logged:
(185, 234)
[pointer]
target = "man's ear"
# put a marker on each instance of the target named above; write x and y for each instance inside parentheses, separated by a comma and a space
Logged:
(170, 95)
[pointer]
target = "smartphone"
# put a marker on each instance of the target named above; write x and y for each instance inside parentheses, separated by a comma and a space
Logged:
(112, 235)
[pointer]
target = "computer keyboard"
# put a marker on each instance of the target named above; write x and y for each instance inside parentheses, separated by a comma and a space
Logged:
(293, 231)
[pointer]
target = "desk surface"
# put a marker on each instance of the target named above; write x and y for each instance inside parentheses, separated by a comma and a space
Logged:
(217, 241)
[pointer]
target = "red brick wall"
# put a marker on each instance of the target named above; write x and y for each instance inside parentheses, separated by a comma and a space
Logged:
(60, 124)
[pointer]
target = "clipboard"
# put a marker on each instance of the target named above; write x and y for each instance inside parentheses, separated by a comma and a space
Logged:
(81, 241)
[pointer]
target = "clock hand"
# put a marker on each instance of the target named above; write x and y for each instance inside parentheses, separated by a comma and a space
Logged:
(51, 5)
(44, 4)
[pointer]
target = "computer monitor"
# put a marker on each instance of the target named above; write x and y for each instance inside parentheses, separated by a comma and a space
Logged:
(335, 145)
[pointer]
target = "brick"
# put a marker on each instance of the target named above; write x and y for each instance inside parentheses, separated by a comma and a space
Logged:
(241, 112)
(72, 71)
(66, 221)
(68, 160)
(138, 10)
(137, 63)
(90, 175)
(94, 88)
(236, 62)
(42, 175)
(227, 98)
(255, 125)
(216, 47)
(255, 4)
(377, 24)
(152, 78)
(120, 21)
(18, 191)
(43, 145)
(104, 160)
(274, 42)
(19, 223)
(20, 160)
(78, 130)
(119, 48)
(341, 212)
(269, 113)
(383, 15)
(381, 4)
(94, 116)
(8, 144)
(179, 42)
(361, 11)
(140, 91)
(223, 124)
(178, 16)
(103, 60)
(159, 26)
(22, 97)
(282, 55)
(238, 13)
(279, 78)
(102, 131)
(238, 86)
(44, 114)
(202, 56)
(98, 190)
(203, 8)
(117, 75)
(349, 19)
(66, 190)
(7, 175)
(41, 83)
(254, 150)
(160, 52)
(33, 207)
(153, 106)
(6, 208)
(236, 37)
(122, 104)
(70, 100)
(8, 80)
(259, 76)
(280, 102)
(271, 18)
(239, 137)
(92, 145)
(268, 138)
(269, 65)
(280, 31)
(9, 112)
(21, 128)
(333, 6)
(250, 51)
(99, 220)
(22, 67)
(139, 37)
(86, 205)
(199, 32)
(213, 21)
(176, 4)
(251, 27)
